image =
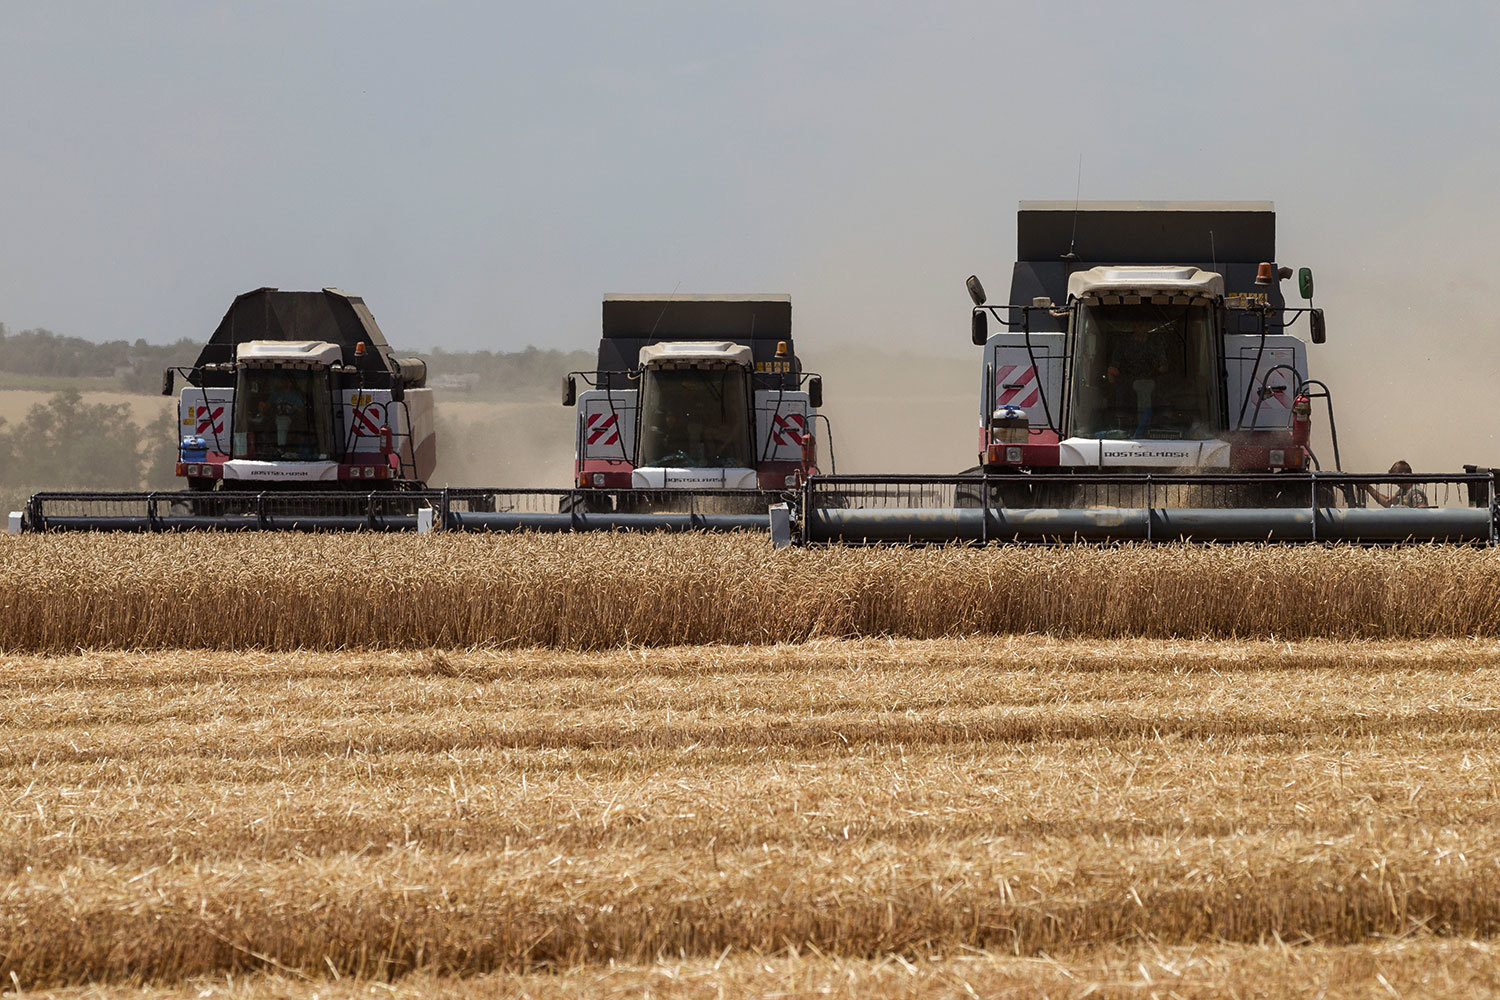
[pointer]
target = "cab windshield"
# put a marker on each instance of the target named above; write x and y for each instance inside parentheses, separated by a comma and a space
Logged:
(1144, 371)
(282, 416)
(695, 419)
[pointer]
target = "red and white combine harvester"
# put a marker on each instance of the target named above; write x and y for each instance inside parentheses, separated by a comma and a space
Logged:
(698, 402)
(299, 390)
(1144, 358)
(1145, 381)
(297, 416)
(1148, 383)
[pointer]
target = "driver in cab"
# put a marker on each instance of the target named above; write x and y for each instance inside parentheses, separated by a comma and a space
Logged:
(695, 442)
(1135, 359)
(287, 404)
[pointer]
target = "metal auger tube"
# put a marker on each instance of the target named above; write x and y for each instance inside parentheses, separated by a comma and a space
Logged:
(457, 509)
(580, 521)
(1363, 509)
(1159, 524)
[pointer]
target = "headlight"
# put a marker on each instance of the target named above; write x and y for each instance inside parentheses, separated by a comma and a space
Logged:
(598, 479)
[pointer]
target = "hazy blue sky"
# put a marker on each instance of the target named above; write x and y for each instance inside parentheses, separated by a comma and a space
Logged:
(481, 173)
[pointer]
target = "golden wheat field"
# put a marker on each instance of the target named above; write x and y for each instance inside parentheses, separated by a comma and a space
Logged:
(542, 772)
(64, 592)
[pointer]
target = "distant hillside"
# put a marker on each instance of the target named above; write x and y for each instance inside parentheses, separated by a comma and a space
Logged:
(504, 375)
(135, 367)
(43, 355)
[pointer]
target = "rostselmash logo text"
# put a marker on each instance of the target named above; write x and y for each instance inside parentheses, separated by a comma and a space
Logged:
(1146, 454)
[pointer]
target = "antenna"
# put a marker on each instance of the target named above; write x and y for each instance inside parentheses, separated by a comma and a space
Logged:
(1077, 191)
(664, 306)
(1213, 254)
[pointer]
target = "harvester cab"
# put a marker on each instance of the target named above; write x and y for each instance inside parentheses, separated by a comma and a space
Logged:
(299, 390)
(700, 393)
(1146, 336)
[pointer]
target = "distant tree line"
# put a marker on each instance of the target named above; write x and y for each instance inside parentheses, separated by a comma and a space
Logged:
(137, 367)
(66, 443)
(530, 373)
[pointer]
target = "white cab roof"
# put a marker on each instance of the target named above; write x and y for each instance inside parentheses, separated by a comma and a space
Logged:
(306, 352)
(1145, 280)
(696, 354)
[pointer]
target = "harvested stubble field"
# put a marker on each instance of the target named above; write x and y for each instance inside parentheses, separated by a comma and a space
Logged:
(873, 817)
(61, 593)
(238, 766)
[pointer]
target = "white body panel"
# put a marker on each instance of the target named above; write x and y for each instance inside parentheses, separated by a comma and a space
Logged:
(412, 423)
(1274, 411)
(1095, 453)
(1013, 380)
(606, 425)
(782, 420)
(205, 413)
(421, 410)
(693, 479)
(362, 412)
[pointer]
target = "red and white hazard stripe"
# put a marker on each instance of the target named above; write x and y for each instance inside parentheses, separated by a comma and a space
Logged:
(1012, 383)
(789, 429)
(367, 420)
(599, 425)
(210, 419)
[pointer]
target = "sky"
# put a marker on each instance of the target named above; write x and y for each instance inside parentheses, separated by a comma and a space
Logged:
(483, 172)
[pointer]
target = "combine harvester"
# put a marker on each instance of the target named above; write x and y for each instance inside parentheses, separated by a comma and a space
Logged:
(699, 402)
(1147, 385)
(297, 416)
(300, 388)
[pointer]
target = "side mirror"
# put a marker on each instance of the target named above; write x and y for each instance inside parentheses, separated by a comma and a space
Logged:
(815, 391)
(398, 392)
(570, 391)
(1315, 322)
(979, 327)
(976, 290)
(1304, 283)
(168, 381)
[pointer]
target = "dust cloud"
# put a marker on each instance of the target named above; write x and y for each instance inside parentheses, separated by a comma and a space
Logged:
(889, 413)
(897, 412)
(523, 444)
(1412, 373)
